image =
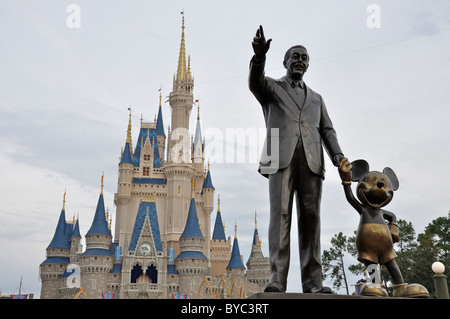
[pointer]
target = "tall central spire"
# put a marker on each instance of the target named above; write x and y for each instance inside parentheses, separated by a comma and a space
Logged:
(181, 98)
(181, 71)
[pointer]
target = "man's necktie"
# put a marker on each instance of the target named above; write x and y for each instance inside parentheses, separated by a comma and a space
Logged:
(299, 92)
(297, 88)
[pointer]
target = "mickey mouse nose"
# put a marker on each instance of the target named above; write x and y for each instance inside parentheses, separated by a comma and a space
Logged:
(380, 184)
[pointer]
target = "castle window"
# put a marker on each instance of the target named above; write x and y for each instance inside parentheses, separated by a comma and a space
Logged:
(146, 171)
(146, 157)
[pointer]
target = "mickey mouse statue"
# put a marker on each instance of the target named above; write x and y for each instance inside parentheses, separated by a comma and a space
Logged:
(375, 239)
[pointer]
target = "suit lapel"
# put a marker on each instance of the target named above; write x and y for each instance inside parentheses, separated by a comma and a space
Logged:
(307, 97)
(287, 86)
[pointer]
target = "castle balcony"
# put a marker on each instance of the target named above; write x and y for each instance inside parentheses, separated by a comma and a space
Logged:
(143, 290)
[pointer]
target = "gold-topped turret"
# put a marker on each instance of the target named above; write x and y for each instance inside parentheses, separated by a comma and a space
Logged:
(64, 201)
(129, 130)
(101, 191)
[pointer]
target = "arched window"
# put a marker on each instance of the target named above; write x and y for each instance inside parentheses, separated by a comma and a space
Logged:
(136, 272)
(152, 273)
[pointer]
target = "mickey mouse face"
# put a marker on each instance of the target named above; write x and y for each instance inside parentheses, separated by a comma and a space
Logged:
(374, 188)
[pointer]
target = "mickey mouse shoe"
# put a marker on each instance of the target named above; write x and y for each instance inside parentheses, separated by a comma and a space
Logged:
(410, 291)
(374, 290)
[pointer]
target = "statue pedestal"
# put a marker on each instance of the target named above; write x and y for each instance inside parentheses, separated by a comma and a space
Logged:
(294, 295)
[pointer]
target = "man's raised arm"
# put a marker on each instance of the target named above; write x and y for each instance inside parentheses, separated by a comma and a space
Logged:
(257, 82)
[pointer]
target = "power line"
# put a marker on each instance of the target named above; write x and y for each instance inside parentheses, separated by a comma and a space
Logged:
(419, 35)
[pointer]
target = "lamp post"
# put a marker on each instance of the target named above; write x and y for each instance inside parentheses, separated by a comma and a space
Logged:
(440, 280)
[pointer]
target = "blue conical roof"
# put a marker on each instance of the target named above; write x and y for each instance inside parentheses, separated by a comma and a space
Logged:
(207, 183)
(61, 238)
(235, 260)
(198, 134)
(192, 228)
(99, 224)
(255, 242)
(76, 229)
(218, 233)
(159, 123)
(126, 156)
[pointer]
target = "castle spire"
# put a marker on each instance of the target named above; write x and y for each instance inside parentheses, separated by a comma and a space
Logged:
(100, 223)
(101, 190)
(126, 153)
(64, 201)
(219, 228)
(159, 120)
(129, 129)
(181, 98)
(207, 182)
(181, 71)
(197, 145)
(235, 260)
(192, 228)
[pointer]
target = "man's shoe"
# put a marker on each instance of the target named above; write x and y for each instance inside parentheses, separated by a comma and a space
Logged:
(321, 290)
(273, 287)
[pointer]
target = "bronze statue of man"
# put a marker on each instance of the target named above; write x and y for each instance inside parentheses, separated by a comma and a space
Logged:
(298, 127)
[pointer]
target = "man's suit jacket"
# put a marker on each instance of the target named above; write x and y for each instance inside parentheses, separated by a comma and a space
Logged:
(283, 111)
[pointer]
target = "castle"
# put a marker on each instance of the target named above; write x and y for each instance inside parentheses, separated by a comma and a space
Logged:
(163, 246)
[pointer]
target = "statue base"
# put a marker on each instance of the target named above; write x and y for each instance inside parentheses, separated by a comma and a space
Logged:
(295, 295)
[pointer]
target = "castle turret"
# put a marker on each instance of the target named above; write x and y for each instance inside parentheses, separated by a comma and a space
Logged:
(76, 247)
(161, 136)
(124, 187)
(258, 266)
(198, 146)
(58, 257)
(220, 246)
(236, 269)
(181, 100)
(191, 263)
(208, 191)
(178, 168)
(97, 261)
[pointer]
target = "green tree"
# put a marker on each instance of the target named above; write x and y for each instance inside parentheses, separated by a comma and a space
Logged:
(333, 261)
(437, 237)
(433, 245)
(359, 268)
(415, 255)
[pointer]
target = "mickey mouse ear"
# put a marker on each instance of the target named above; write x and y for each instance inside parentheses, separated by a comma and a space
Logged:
(394, 180)
(359, 169)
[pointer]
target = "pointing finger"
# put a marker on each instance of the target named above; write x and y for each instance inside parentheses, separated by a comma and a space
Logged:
(261, 31)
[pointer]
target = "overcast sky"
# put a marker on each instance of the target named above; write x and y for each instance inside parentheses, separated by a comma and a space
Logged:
(382, 70)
